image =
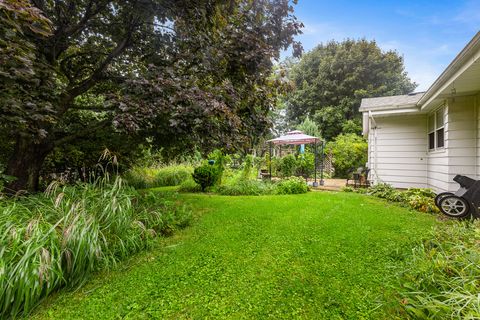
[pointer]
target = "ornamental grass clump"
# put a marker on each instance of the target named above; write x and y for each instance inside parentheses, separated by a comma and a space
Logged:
(58, 239)
(171, 175)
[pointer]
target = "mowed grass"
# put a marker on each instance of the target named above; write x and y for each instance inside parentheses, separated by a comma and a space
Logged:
(318, 256)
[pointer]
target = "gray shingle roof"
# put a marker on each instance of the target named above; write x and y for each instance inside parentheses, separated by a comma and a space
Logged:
(390, 101)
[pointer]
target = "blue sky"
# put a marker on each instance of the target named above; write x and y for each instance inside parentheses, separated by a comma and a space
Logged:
(428, 34)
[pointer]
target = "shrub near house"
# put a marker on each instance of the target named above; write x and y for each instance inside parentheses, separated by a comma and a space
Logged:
(349, 152)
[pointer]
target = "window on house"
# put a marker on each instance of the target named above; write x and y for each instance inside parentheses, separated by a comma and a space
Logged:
(436, 131)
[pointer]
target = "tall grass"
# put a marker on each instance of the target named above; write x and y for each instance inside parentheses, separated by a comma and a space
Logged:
(247, 187)
(172, 175)
(58, 239)
(443, 279)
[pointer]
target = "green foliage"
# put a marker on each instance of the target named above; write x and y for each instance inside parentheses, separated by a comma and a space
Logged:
(384, 191)
(141, 177)
(172, 175)
(287, 165)
(247, 168)
(419, 199)
(352, 126)
(443, 277)
(247, 187)
(348, 189)
(207, 175)
(331, 120)
(58, 239)
(189, 185)
(331, 80)
(309, 127)
(305, 166)
(292, 185)
(349, 151)
(174, 75)
(294, 165)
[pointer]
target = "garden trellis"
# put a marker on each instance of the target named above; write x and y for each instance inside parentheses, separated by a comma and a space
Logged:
(297, 137)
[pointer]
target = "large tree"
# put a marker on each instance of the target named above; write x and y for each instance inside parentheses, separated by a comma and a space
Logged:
(177, 72)
(331, 80)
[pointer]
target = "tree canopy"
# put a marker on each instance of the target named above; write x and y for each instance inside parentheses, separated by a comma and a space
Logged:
(331, 80)
(309, 127)
(173, 73)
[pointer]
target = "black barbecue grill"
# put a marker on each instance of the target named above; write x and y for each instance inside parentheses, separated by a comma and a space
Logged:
(463, 203)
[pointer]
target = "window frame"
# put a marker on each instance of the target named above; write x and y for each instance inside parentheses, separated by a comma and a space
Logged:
(436, 129)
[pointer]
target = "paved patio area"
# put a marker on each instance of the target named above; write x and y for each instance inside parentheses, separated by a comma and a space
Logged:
(330, 184)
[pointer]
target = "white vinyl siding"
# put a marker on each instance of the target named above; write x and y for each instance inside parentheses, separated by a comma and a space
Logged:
(460, 139)
(403, 158)
(477, 136)
(397, 155)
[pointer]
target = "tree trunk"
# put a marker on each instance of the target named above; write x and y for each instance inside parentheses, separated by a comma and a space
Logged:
(25, 165)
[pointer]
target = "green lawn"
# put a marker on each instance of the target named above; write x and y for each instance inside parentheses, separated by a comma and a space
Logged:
(319, 256)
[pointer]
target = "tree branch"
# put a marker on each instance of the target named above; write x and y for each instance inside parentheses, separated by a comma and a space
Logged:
(92, 80)
(82, 133)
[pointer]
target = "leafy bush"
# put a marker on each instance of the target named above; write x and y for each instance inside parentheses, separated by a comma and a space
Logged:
(443, 278)
(419, 199)
(349, 151)
(58, 239)
(292, 185)
(384, 191)
(422, 192)
(291, 165)
(349, 189)
(207, 175)
(287, 165)
(305, 165)
(247, 187)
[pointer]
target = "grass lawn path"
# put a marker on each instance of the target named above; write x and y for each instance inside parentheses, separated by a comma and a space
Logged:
(319, 255)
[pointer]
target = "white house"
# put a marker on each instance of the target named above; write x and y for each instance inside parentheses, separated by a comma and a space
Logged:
(424, 139)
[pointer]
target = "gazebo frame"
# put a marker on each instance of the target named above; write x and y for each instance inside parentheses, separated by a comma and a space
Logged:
(297, 138)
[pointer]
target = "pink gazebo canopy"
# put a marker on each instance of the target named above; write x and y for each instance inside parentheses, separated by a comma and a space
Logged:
(294, 137)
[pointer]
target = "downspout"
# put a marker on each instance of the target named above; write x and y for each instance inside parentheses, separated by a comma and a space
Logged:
(476, 111)
(375, 149)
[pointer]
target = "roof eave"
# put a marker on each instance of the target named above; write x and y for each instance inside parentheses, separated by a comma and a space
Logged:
(389, 107)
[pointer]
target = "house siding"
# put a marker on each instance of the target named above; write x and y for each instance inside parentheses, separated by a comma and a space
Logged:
(477, 136)
(401, 147)
(397, 150)
(460, 141)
